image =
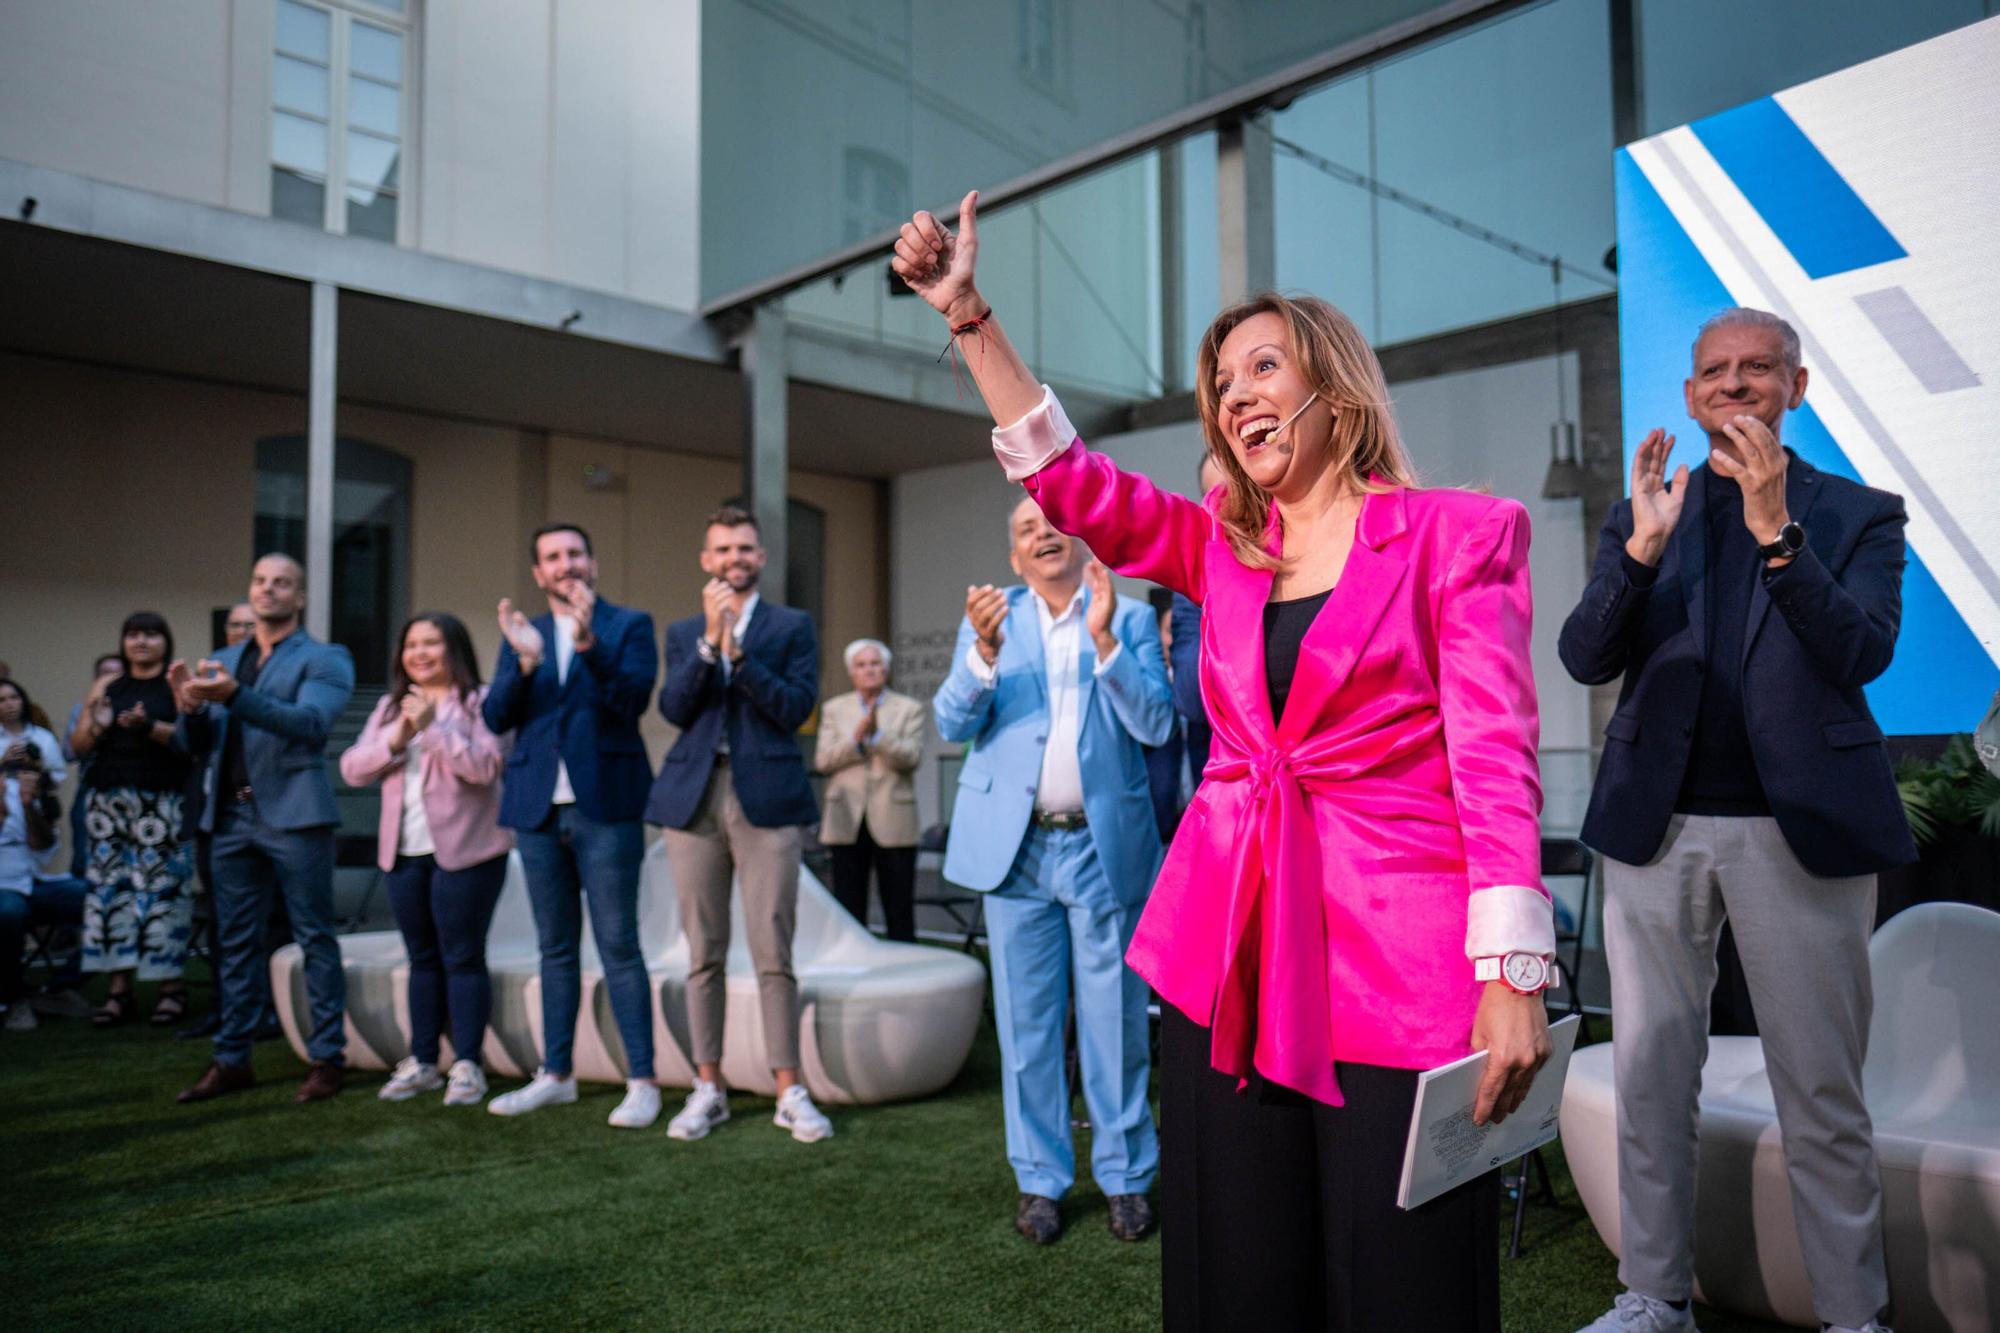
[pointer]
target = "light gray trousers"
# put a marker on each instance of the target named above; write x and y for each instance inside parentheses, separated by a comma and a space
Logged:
(721, 842)
(1804, 944)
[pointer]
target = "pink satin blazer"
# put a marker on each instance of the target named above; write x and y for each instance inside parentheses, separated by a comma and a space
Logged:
(462, 762)
(1339, 866)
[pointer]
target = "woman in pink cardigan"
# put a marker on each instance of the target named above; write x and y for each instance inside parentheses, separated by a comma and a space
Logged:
(1364, 849)
(441, 844)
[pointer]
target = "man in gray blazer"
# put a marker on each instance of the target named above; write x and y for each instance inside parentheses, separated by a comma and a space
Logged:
(256, 717)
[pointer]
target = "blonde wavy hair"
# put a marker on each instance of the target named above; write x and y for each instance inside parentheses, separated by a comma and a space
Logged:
(1336, 361)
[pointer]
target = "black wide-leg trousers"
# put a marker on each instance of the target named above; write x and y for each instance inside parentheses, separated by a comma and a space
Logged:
(1280, 1212)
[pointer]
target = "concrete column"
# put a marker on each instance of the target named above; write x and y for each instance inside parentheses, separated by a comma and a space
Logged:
(766, 446)
(1246, 219)
(320, 392)
(1173, 300)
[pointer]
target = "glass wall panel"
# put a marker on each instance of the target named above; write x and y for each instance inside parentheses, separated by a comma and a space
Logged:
(978, 98)
(1698, 57)
(1429, 192)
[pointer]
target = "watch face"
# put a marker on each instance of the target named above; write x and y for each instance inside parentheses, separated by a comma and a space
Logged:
(1525, 971)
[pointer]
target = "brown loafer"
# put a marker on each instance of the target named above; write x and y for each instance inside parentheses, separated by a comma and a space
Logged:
(216, 1080)
(322, 1081)
(1131, 1216)
(1039, 1219)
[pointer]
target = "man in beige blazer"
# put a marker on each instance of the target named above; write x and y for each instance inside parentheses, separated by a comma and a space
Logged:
(870, 741)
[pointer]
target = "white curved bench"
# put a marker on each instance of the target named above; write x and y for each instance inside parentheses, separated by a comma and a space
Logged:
(1932, 1082)
(879, 1021)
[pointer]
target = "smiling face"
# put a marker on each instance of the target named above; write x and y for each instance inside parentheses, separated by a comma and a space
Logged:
(1258, 386)
(1739, 369)
(1041, 555)
(734, 554)
(426, 661)
(563, 563)
(277, 590)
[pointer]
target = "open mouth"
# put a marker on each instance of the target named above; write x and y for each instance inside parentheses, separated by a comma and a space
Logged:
(1257, 432)
(1047, 549)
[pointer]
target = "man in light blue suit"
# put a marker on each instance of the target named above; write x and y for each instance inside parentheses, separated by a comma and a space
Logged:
(1056, 686)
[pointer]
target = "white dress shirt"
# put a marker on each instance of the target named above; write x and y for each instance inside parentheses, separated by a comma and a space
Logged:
(415, 838)
(1059, 790)
(741, 628)
(565, 654)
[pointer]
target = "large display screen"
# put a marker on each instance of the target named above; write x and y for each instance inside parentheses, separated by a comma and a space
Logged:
(1864, 207)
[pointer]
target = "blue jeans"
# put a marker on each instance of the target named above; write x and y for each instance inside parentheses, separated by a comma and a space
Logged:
(251, 862)
(444, 915)
(1054, 925)
(572, 851)
(52, 902)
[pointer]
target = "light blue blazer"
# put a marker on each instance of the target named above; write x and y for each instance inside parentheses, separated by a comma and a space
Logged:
(1129, 706)
(286, 716)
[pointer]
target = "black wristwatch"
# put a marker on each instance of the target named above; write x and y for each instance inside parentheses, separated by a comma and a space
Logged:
(1791, 540)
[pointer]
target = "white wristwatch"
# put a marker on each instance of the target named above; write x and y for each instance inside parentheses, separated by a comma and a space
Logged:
(1524, 973)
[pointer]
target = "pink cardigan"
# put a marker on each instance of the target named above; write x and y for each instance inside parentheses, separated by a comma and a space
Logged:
(1336, 872)
(462, 762)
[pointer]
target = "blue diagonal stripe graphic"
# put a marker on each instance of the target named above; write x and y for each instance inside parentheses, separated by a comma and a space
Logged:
(1810, 206)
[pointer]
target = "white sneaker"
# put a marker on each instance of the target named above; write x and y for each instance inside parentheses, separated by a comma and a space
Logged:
(706, 1107)
(1633, 1313)
(21, 1017)
(1872, 1326)
(545, 1089)
(641, 1106)
(468, 1085)
(412, 1076)
(797, 1113)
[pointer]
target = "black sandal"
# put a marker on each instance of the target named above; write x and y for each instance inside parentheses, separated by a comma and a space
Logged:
(116, 1009)
(169, 1008)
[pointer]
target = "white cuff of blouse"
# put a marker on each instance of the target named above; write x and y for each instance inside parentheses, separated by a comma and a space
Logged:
(1035, 441)
(1509, 918)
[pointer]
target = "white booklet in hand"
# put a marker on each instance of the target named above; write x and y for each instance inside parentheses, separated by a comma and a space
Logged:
(1446, 1149)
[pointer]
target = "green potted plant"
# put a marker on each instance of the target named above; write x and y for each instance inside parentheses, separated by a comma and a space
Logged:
(1953, 805)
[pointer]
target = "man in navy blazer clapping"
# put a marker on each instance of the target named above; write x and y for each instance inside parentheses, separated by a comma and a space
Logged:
(571, 685)
(742, 677)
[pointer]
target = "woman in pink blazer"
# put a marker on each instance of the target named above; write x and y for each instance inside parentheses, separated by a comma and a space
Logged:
(441, 844)
(1364, 846)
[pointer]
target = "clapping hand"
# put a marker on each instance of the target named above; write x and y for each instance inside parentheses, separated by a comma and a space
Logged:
(525, 638)
(178, 679)
(417, 712)
(1655, 508)
(211, 683)
(718, 608)
(1103, 602)
(582, 599)
(986, 608)
(938, 266)
(1759, 470)
(134, 718)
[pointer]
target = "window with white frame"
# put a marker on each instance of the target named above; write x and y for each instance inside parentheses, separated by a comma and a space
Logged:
(340, 104)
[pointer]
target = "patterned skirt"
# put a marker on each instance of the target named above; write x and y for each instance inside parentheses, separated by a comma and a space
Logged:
(138, 913)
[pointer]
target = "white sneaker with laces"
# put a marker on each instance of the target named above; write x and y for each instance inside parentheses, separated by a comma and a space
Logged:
(797, 1113)
(412, 1076)
(468, 1085)
(21, 1018)
(705, 1108)
(1633, 1313)
(545, 1089)
(641, 1106)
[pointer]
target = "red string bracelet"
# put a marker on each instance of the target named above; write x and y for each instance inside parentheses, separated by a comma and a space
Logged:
(973, 325)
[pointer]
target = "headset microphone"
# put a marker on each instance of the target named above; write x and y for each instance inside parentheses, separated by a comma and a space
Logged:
(1272, 438)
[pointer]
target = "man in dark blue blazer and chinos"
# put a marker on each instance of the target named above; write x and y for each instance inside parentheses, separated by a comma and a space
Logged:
(255, 719)
(742, 677)
(571, 685)
(1745, 604)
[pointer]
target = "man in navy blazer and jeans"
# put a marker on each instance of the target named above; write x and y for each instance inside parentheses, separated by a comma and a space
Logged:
(256, 717)
(741, 680)
(1746, 604)
(571, 685)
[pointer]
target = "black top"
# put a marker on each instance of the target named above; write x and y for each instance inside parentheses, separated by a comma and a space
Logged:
(235, 775)
(1285, 626)
(1721, 777)
(124, 757)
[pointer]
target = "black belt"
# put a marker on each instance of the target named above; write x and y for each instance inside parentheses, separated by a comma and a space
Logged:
(1063, 819)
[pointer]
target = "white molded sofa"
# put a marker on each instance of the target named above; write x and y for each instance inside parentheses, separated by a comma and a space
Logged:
(879, 1021)
(1932, 1083)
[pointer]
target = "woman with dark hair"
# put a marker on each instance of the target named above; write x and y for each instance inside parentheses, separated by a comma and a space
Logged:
(441, 845)
(138, 915)
(1354, 894)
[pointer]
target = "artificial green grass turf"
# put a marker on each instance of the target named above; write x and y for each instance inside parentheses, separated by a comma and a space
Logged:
(126, 1209)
